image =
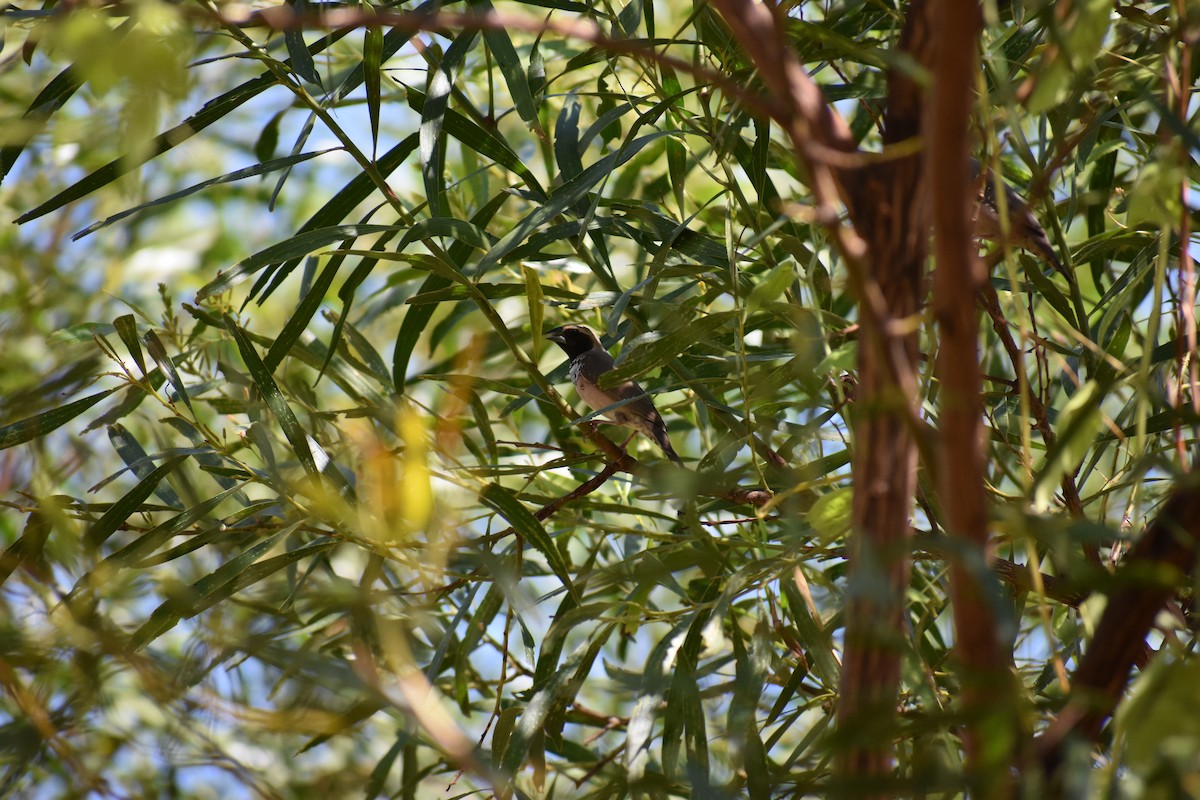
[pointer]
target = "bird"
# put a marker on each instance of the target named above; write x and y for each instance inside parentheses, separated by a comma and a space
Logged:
(589, 360)
(1023, 227)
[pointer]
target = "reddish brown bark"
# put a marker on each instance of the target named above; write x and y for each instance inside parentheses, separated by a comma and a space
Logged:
(1159, 561)
(988, 697)
(884, 252)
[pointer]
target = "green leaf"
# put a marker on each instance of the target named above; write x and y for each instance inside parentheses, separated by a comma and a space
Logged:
(1079, 47)
(510, 65)
(1157, 198)
(383, 767)
(228, 579)
(299, 245)
(829, 516)
(492, 291)
(533, 290)
(660, 665)
(372, 73)
(275, 401)
(529, 528)
(1078, 425)
(130, 504)
(541, 705)
(1160, 717)
(302, 61)
(158, 352)
(248, 172)
(211, 112)
(53, 97)
(349, 289)
(139, 462)
(126, 327)
(481, 141)
(629, 17)
(337, 209)
(771, 287)
(661, 350)
(417, 318)
(268, 140)
(306, 309)
(39, 425)
(1115, 349)
(568, 153)
(566, 196)
(145, 545)
(812, 633)
(433, 115)
(28, 550)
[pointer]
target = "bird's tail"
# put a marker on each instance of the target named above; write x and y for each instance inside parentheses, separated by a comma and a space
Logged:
(660, 436)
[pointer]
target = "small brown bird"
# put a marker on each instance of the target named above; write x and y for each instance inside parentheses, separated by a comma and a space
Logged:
(589, 360)
(1023, 226)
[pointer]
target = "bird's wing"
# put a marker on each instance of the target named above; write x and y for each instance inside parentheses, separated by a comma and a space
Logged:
(592, 366)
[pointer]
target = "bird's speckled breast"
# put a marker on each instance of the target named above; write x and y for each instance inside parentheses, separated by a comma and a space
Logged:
(585, 370)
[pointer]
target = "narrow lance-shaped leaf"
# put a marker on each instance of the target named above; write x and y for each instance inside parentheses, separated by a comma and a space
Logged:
(305, 311)
(237, 175)
(481, 141)
(372, 77)
(39, 425)
(145, 545)
(268, 139)
(530, 528)
(646, 357)
(28, 551)
(211, 112)
(138, 461)
(566, 196)
(379, 773)
(659, 666)
(273, 397)
(158, 352)
(533, 288)
(510, 65)
(300, 245)
(306, 130)
(534, 717)
(126, 327)
(204, 592)
(302, 61)
(433, 114)
(129, 505)
(337, 209)
(53, 97)
(416, 319)
(568, 153)
(346, 294)
(366, 351)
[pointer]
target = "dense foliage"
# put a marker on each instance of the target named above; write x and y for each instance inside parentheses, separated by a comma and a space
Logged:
(295, 498)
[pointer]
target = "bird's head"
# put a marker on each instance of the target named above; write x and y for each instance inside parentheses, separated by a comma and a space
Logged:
(575, 340)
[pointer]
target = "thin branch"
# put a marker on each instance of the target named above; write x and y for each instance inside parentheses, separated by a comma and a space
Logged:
(1041, 420)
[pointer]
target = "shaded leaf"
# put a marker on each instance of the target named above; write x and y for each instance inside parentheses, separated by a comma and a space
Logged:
(39, 425)
(529, 528)
(130, 504)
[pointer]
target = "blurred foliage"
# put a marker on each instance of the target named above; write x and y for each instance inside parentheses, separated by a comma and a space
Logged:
(277, 413)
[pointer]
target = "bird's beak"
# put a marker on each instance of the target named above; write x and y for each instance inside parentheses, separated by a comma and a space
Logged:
(556, 336)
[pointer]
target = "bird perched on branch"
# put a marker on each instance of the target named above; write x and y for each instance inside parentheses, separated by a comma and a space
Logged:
(1023, 228)
(589, 360)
